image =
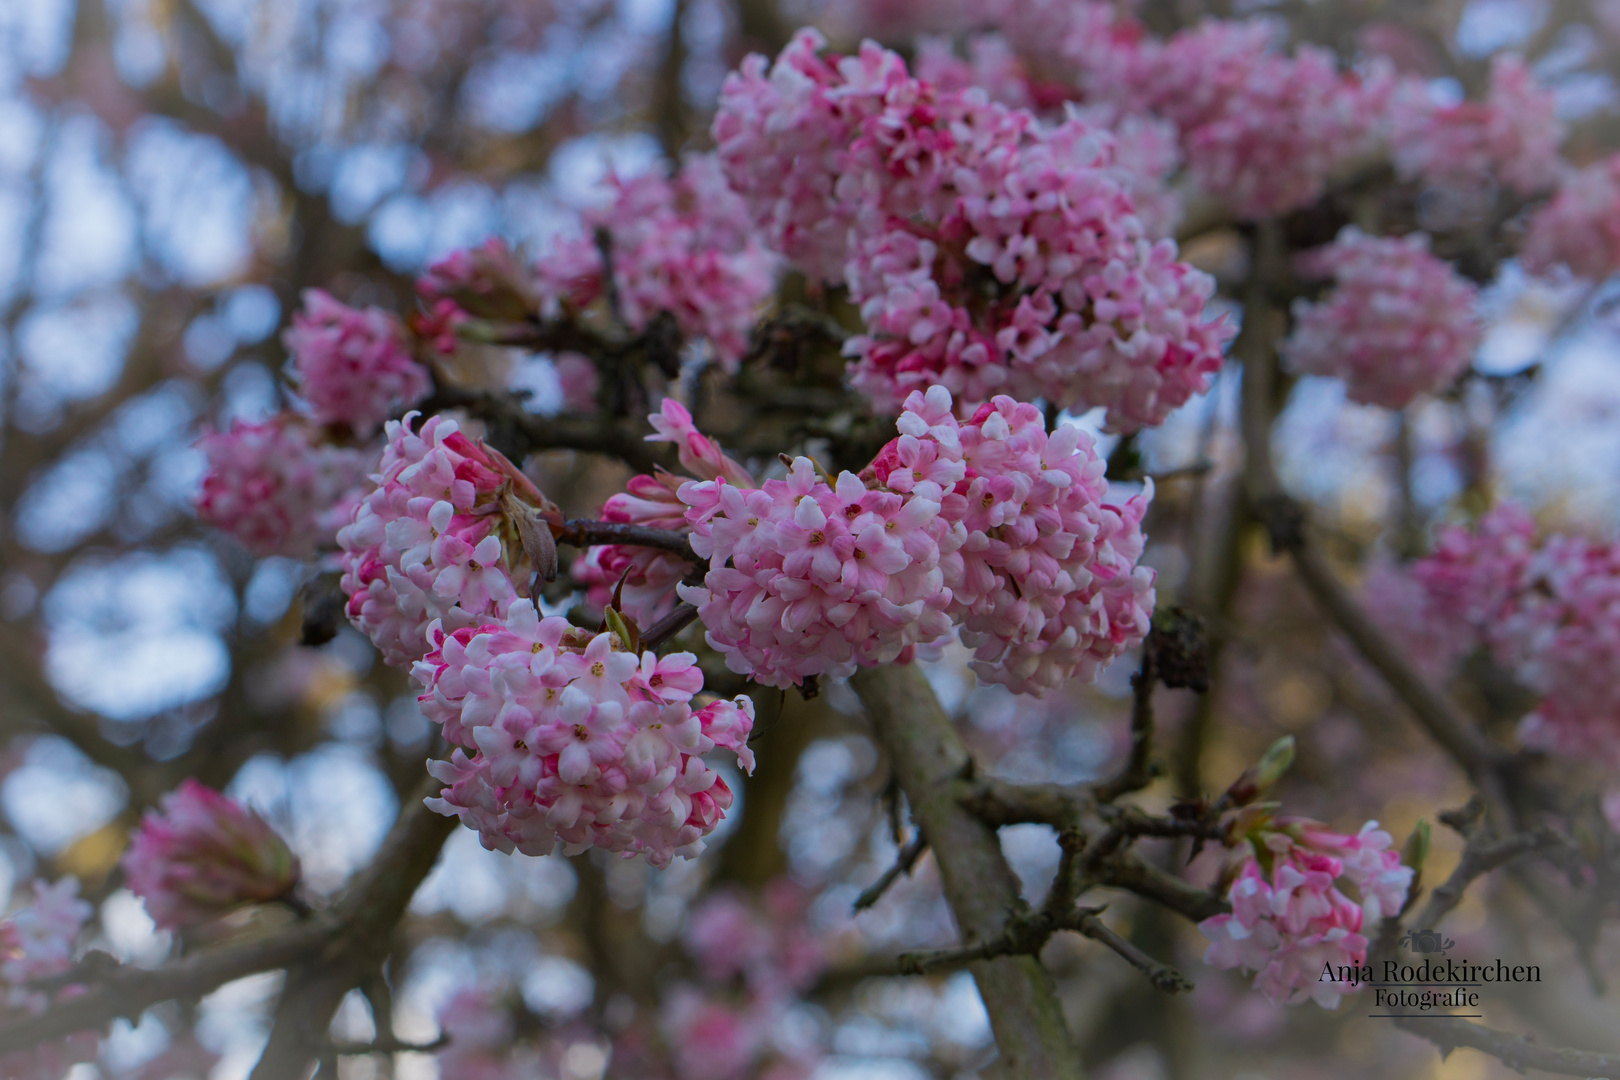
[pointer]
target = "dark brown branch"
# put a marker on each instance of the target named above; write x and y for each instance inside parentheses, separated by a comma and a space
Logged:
(997, 803)
(902, 865)
(1025, 935)
(1129, 821)
(1444, 722)
(517, 433)
(580, 532)
(1029, 934)
(1131, 872)
(1183, 472)
(667, 627)
(388, 1045)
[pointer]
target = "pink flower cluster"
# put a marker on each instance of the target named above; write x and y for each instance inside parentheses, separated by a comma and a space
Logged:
(1398, 323)
(1041, 571)
(1261, 131)
(808, 579)
(684, 246)
(1580, 227)
(353, 366)
(1513, 135)
(989, 253)
(680, 246)
(432, 540)
(1086, 309)
(1289, 917)
(782, 134)
(988, 523)
(204, 855)
(645, 578)
(486, 282)
(1548, 612)
(275, 488)
(575, 740)
(37, 941)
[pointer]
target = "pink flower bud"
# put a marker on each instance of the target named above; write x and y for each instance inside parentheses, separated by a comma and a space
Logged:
(204, 855)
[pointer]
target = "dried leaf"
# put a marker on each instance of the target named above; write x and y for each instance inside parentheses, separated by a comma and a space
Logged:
(539, 546)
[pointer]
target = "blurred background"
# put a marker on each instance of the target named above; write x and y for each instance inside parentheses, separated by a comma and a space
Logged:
(173, 173)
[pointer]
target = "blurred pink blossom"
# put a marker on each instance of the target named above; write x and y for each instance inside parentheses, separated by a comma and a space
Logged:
(353, 366)
(1398, 322)
(202, 855)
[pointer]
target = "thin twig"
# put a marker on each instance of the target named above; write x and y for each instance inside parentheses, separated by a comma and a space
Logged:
(610, 277)
(1479, 857)
(1182, 472)
(387, 1045)
(902, 865)
(1162, 976)
(1029, 934)
(1023, 935)
(517, 433)
(1138, 772)
(581, 532)
(667, 627)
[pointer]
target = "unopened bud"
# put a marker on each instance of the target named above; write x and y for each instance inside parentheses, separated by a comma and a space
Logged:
(1248, 821)
(1258, 778)
(204, 855)
(1416, 848)
(629, 634)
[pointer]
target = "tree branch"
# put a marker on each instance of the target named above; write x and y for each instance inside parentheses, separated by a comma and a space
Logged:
(1028, 934)
(360, 925)
(1131, 872)
(129, 991)
(902, 865)
(1479, 857)
(517, 433)
(667, 627)
(1285, 520)
(1516, 1051)
(367, 915)
(997, 802)
(1138, 772)
(580, 532)
(927, 756)
(1162, 976)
